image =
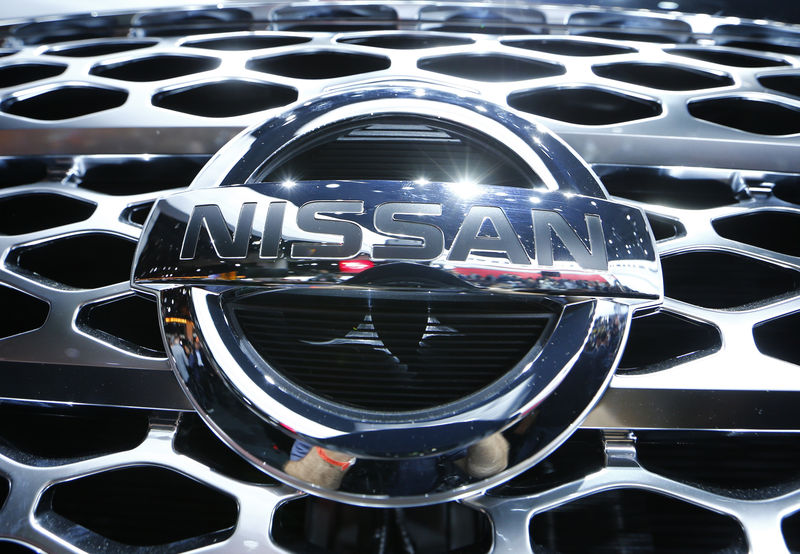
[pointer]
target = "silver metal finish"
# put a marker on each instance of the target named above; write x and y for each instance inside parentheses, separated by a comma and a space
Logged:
(730, 368)
(701, 373)
(248, 402)
(737, 387)
(30, 478)
(617, 257)
(68, 345)
(678, 137)
(760, 519)
(720, 371)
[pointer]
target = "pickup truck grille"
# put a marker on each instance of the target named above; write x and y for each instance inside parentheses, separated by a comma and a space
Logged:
(693, 118)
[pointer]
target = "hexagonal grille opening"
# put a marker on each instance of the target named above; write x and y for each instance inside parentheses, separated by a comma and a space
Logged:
(319, 65)
(155, 68)
(407, 41)
(791, 532)
(664, 339)
(745, 465)
(776, 35)
(138, 214)
(789, 84)
(566, 47)
(17, 74)
(25, 213)
(776, 231)
(723, 280)
(778, 338)
(633, 520)
(664, 227)
(11, 547)
(138, 176)
(765, 46)
(666, 187)
(65, 102)
(132, 319)
(100, 48)
(476, 26)
(581, 455)
(21, 171)
(29, 312)
(245, 42)
(70, 28)
(622, 26)
(584, 106)
(723, 57)
(662, 76)
(746, 114)
(225, 99)
(4, 488)
(143, 506)
(788, 189)
(193, 22)
(632, 35)
(82, 261)
(67, 433)
(335, 19)
(491, 67)
(485, 20)
(312, 524)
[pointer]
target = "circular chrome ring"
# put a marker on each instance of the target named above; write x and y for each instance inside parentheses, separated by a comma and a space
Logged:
(259, 413)
(255, 149)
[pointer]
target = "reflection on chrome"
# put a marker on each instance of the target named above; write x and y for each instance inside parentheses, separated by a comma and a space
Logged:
(327, 468)
(389, 341)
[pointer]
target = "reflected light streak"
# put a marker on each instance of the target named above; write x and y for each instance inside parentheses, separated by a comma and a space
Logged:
(355, 266)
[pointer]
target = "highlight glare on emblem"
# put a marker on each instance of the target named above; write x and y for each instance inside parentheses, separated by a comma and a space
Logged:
(396, 322)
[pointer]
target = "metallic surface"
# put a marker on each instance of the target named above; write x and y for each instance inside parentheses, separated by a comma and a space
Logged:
(256, 436)
(717, 371)
(30, 477)
(760, 519)
(250, 404)
(737, 387)
(679, 138)
(600, 243)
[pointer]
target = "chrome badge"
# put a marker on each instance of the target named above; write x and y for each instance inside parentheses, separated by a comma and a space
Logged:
(420, 290)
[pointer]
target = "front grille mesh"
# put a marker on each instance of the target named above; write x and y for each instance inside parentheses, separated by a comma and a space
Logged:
(645, 492)
(692, 118)
(584, 71)
(69, 239)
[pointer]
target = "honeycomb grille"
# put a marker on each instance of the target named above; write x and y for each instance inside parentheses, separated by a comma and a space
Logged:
(605, 84)
(693, 118)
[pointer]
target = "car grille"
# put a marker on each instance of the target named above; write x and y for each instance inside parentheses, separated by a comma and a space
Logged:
(693, 118)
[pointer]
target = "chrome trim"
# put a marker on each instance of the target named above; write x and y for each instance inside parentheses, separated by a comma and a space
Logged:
(713, 372)
(244, 400)
(627, 142)
(619, 257)
(695, 394)
(31, 479)
(760, 519)
(510, 515)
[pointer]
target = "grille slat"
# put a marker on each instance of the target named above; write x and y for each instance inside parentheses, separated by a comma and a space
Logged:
(390, 354)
